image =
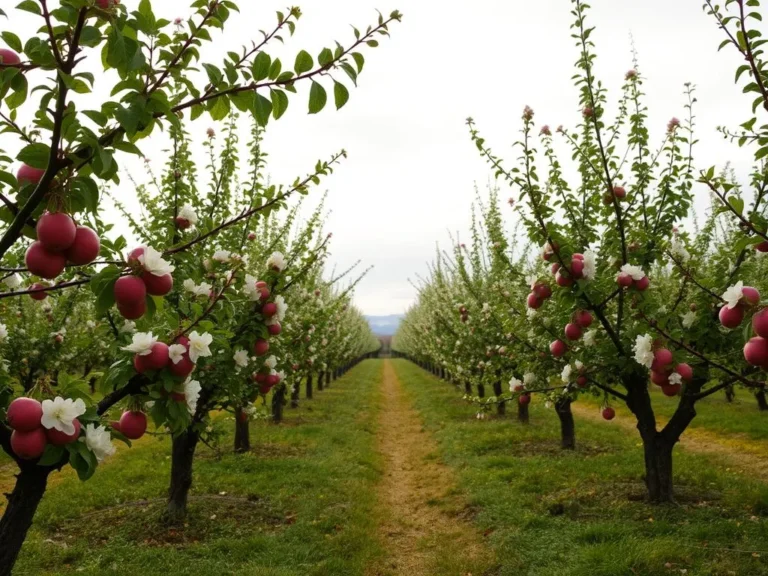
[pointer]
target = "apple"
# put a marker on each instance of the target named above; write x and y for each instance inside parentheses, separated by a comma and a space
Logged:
(274, 329)
(577, 268)
(534, 302)
(24, 414)
(44, 263)
(133, 255)
(157, 285)
(132, 311)
(543, 291)
(42, 295)
(643, 283)
(28, 445)
(619, 192)
(751, 295)
(557, 348)
(573, 331)
(157, 359)
(269, 309)
(583, 319)
(624, 280)
(9, 57)
(273, 379)
(133, 425)
(587, 112)
(756, 351)
(251, 236)
(762, 247)
(609, 413)
(578, 256)
(265, 388)
(115, 425)
(260, 347)
(27, 175)
(85, 247)
(182, 223)
(263, 287)
(582, 381)
(554, 268)
(671, 389)
(563, 280)
(107, 4)
(659, 378)
(731, 317)
(760, 323)
(524, 399)
(661, 359)
(685, 371)
(58, 438)
(56, 231)
(130, 290)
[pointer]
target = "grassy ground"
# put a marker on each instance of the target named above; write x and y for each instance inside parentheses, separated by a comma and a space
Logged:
(551, 513)
(303, 503)
(712, 413)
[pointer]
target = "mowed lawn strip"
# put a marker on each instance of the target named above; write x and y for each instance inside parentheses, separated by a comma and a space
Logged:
(548, 512)
(302, 503)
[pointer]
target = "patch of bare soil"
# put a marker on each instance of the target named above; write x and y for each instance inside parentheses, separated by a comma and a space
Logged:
(423, 531)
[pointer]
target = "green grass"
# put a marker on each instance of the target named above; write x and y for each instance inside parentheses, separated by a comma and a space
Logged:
(714, 413)
(547, 512)
(303, 503)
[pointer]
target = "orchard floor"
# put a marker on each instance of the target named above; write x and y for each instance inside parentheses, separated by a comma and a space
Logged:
(388, 472)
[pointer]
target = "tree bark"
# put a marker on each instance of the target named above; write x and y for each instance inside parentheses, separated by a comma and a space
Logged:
(242, 432)
(278, 402)
(320, 383)
(182, 456)
(309, 386)
(295, 394)
(730, 393)
(481, 390)
(567, 426)
(761, 401)
(468, 388)
(17, 518)
(327, 379)
(501, 407)
(522, 413)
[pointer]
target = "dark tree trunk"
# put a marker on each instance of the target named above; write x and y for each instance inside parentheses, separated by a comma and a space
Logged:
(481, 390)
(242, 432)
(278, 402)
(567, 427)
(182, 456)
(327, 379)
(501, 407)
(468, 388)
(320, 384)
(309, 386)
(295, 394)
(17, 518)
(730, 393)
(761, 402)
(522, 413)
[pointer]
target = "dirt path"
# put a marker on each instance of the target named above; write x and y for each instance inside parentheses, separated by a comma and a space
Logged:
(738, 452)
(417, 494)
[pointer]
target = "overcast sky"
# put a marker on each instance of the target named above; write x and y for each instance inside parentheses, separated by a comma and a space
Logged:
(411, 170)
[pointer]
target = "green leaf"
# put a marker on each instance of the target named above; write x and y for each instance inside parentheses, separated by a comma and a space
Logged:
(359, 60)
(317, 98)
(325, 57)
(262, 109)
(30, 6)
(261, 66)
(52, 455)
(279, 103)
(340, 94)
(12, 40)
(303, 63)
(35, 155)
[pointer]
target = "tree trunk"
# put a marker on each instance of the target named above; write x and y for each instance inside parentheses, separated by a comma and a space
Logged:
(17, 518)
(182, 456)
(242, 432)
(761, 402)
(481, 390)
(501, 407)
(309, 386)
(522, 413)
(327, 380)
(278, 402)
(730, 393)
(295, 394)
(320, 383)
(468, 388)
(567, 427)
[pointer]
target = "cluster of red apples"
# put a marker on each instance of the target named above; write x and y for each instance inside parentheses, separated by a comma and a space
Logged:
(266, 378)
(131, 291)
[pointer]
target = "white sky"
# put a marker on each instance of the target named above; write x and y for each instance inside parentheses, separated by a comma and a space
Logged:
(412, 167)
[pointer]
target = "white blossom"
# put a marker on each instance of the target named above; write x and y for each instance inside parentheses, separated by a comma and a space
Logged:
(3, 332)
(565, 375)
(188, 213)
(276, 261)
(529, 378)
(13, 281)
(271, 361)
(142, 343)
(60, 414)
(678, 251)
(192, 394)
(688, 319)
(589, 338)
(98, 441)
(590, 265)
(153, 262)
(90, 324)
(241, 358)
(282, 307)
(635, 272)
(199, 345)
(176, 352)
(203, 289)
(530, 312)
(643, 349)
(128, 326)
(675, 378)
(515, 385)
(249, 288)
(579, 364)
(222, 256)
(733, 295)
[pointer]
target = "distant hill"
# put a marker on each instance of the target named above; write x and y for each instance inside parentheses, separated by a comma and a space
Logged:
(384, 325)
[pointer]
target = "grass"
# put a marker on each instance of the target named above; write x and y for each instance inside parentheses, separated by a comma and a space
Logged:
(715, 413)
(302, 503)
(547, 512)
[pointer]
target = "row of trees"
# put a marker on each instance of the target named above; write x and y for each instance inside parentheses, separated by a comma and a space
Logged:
(215, 297)
(629, 289)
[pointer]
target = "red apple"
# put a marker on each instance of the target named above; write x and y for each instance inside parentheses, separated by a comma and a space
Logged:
(619, 192)
(24, 414)
(44, 263)
(56, 231)
(762, 247)
(685, 371)
(85, 248)
(557, 348)
(543, 291)
(563, 280)
(524, 399)
(42, 295)
(260, 347)
(661, 359)
(58, 438)
(157, 285)
(751, 295)
(133, 255)
(577, 268)
(107, 4)
(643, 283)
(265, 388)
(624, 280)
(573, 331)
(133, 425)
(263, 287)
(273, 379)
(184, 368)
(760, 323)
(274, 329)
(182, 223)
(251, 236)
(731, 317)
(554, 268)
(671, 389)
(534, 302)
(157, 359)
(130, 290)
(132, 311)
(583, 319)
(582, 381)
(27, 175)
(609, 413)
(28, 445)
(659, 378)
(756, 351)
(577, 256)
(9, 57)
